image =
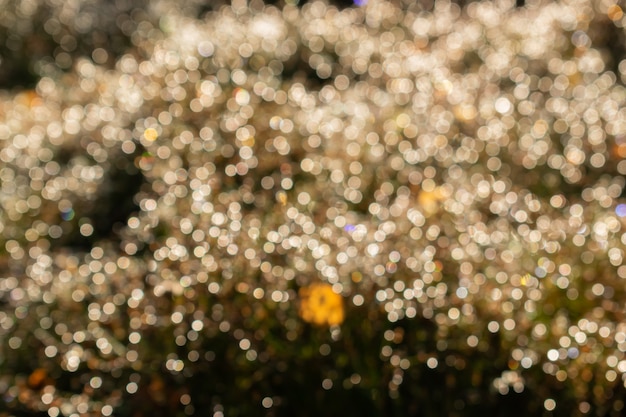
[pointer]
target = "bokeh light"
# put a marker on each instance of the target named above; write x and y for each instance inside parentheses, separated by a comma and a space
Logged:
(390, 205)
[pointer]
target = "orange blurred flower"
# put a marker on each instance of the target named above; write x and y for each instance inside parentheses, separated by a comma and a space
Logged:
(320, 305)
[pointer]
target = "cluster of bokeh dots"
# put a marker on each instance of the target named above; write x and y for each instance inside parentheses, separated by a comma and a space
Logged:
(465, 166)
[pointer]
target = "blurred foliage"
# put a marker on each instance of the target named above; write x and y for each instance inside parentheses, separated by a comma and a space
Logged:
(295, 209)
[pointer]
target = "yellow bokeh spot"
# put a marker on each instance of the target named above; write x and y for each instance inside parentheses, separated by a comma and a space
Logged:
(249, 141)
(281, 197)
(465, 112)
(429, 201)
(524, 279)
(151, 134)
(320, 305)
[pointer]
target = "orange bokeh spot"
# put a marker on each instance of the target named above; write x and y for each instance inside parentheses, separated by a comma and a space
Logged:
(615, 12)
(37, 378)
(620, 150)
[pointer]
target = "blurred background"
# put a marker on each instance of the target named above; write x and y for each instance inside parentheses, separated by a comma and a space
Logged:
(409, 208)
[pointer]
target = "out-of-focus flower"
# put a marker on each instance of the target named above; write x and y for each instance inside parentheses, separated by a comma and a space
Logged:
(320, 305)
